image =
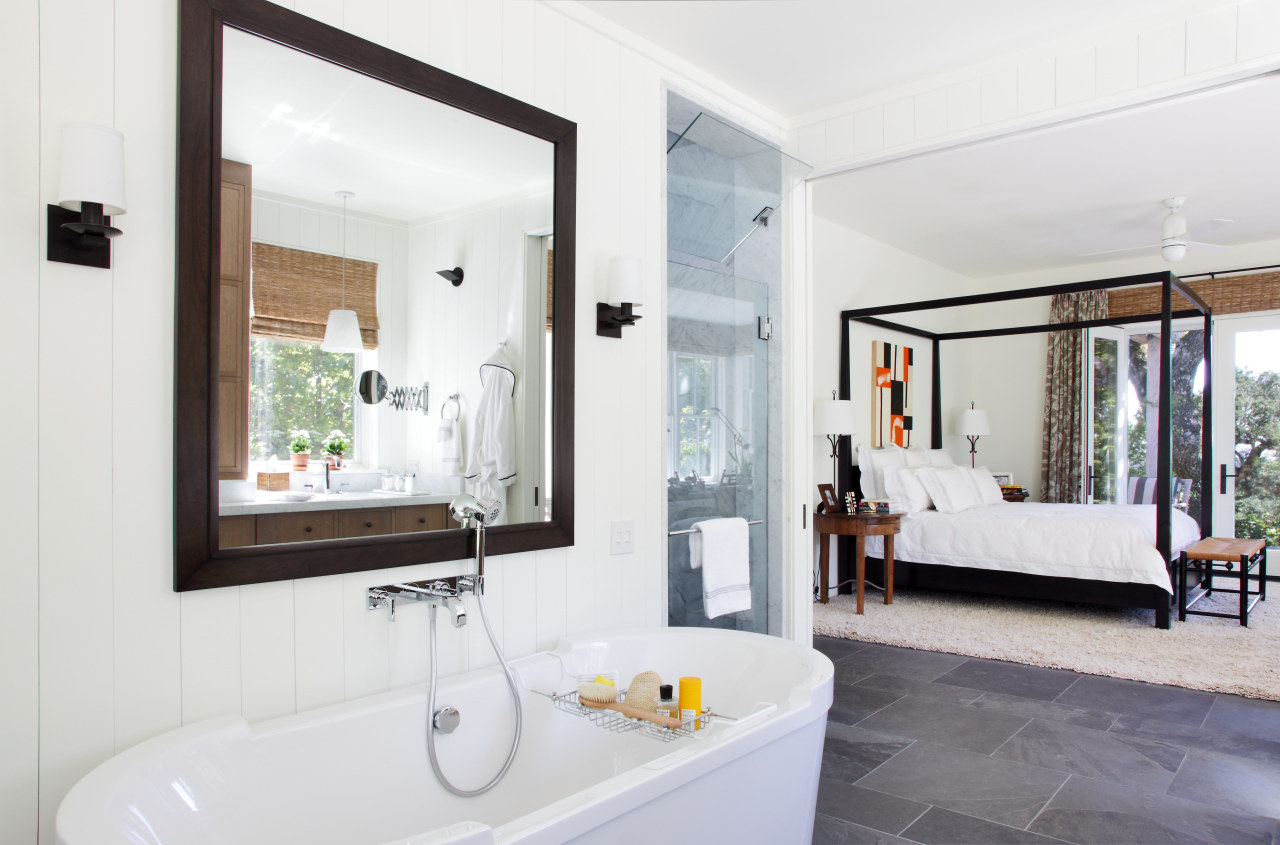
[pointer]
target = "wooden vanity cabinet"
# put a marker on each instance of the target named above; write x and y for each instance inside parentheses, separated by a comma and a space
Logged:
(420, 518)
(307, 525)
(300, 527)
(365, 522)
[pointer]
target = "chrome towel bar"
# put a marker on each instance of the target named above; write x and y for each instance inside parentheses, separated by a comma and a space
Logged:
(691, 530)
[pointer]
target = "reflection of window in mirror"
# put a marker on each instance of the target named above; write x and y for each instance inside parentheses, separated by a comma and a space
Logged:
(296, 385)
(696, 444)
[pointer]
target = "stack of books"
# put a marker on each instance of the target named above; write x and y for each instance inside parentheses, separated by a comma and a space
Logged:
(880, 507)
(1013, 490)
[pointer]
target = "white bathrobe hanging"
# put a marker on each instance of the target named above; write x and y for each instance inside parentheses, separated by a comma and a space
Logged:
(491, 466)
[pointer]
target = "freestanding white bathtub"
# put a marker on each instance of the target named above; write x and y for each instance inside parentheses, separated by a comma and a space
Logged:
(356, 773)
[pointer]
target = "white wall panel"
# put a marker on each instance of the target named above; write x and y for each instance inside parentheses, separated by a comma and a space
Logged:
(899, 122)
(1162, 53)
(1035, 86)
(1258, 31)
(484, 51)
(267, 650)
(964, 105)
(210, 637)
(20, 241)
(868, 130)
(317, 641)
(840, 137)
(1211, 40)
(77, 718)
(549, 58)
(931, 114)
(1000, 96)
(1076, 78)
(811, 143)
(1117, 66)
(147, 668)
(518, 59)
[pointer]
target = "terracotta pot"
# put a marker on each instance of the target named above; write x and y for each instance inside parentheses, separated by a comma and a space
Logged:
(300, 460)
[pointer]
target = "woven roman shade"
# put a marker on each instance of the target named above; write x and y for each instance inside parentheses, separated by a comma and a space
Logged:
(551, 277)
(293, 292)
(1230, 295)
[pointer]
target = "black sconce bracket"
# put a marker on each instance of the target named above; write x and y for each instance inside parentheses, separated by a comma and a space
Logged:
(454, 276)
(82, 238)
(611, 318)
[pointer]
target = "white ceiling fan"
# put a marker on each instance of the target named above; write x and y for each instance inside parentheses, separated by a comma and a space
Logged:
(1174, 241)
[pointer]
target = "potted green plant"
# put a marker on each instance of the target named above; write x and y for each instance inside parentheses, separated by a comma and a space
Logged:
(300, 446)
(334, 446)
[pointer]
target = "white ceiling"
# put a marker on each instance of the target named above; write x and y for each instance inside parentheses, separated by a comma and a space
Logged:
(797, 56)
(310, 128)
(1042, 199)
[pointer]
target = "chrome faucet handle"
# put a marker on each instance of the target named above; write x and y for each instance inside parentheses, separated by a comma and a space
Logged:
(471, 584)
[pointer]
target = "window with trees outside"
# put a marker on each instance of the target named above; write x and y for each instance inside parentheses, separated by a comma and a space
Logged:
(696, 385)
(297, 385)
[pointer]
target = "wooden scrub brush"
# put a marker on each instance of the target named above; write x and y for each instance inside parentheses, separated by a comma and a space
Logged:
(603, 697)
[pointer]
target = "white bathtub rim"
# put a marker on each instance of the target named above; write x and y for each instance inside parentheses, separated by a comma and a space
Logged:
(92, 793)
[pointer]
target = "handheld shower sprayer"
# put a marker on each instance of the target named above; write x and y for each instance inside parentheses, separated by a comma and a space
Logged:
(465, 507)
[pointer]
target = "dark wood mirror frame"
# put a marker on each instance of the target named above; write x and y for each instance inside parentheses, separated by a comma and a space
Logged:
(198, 562)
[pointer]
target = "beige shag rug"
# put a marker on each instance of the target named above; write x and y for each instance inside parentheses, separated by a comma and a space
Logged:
(1205, 653)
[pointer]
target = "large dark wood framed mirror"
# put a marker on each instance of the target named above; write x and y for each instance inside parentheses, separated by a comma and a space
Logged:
(277, 114)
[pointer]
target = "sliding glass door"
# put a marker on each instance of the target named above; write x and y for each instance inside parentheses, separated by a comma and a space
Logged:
(1246, 448)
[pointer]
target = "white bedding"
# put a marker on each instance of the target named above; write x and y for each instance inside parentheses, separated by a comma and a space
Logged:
(1093, 542)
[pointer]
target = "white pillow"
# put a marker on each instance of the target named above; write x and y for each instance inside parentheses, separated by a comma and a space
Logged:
(987, 486)
(902, 483)
(917, 457)
(940, 458)
(950, 488)
(872, 462)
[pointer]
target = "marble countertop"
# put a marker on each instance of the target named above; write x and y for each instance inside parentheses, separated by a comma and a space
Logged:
(283, 502)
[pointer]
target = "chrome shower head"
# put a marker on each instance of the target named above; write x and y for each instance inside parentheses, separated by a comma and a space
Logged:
(465, 506)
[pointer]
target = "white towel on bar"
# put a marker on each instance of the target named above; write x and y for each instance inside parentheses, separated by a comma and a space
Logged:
(722, 549)
(450, 437)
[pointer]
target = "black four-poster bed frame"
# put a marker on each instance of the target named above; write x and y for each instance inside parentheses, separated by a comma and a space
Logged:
(1018, 584)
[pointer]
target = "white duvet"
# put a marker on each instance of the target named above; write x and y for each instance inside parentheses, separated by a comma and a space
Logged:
(1092, 542)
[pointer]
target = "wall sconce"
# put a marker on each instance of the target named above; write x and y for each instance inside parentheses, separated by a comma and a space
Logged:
(625, 285)
(90, 190)
(974, 424)
(454, 276)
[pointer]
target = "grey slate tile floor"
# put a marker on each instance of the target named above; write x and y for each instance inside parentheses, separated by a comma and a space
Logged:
(924, 747)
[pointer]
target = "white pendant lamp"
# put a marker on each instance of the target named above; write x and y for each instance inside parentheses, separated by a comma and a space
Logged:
(342, 331)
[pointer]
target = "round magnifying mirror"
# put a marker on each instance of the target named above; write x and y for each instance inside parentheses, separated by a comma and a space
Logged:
(372, 387)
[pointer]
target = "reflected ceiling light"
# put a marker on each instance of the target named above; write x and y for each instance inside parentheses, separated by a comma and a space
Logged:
(90, 190)
(342, 331)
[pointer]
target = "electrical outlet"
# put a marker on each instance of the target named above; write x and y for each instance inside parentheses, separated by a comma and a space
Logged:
(622, 538)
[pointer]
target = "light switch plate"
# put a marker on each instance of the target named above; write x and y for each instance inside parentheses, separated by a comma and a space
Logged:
(622, 538)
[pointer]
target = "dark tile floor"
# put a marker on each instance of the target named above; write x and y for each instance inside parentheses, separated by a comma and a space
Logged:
(936, 748)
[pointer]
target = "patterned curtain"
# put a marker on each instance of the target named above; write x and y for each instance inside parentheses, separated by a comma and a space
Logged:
(1062, 448)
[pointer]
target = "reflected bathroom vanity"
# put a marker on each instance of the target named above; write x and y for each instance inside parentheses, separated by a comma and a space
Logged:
(442, 173)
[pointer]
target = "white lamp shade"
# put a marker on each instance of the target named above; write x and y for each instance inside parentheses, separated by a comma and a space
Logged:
(92, 168)
(974, 423)
(833, 416)
(342, 332)
(626, 282)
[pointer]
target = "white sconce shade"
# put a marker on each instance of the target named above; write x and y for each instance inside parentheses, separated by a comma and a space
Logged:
(342, 332)
(626, 281)
(92, 168)
(833, 416)
(974, 423)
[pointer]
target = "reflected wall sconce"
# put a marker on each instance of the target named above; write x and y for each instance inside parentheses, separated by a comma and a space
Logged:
(974, 424)
(90, 191)
(625, 285)
(454, 276)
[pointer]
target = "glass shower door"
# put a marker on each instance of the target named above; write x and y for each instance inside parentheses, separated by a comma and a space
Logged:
(717, 433)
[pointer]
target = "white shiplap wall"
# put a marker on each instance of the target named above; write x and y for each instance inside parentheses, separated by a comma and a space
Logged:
(97, 652)
(1190, 46)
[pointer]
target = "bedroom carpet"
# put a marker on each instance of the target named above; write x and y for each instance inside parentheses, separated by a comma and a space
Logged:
(1204, 653)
